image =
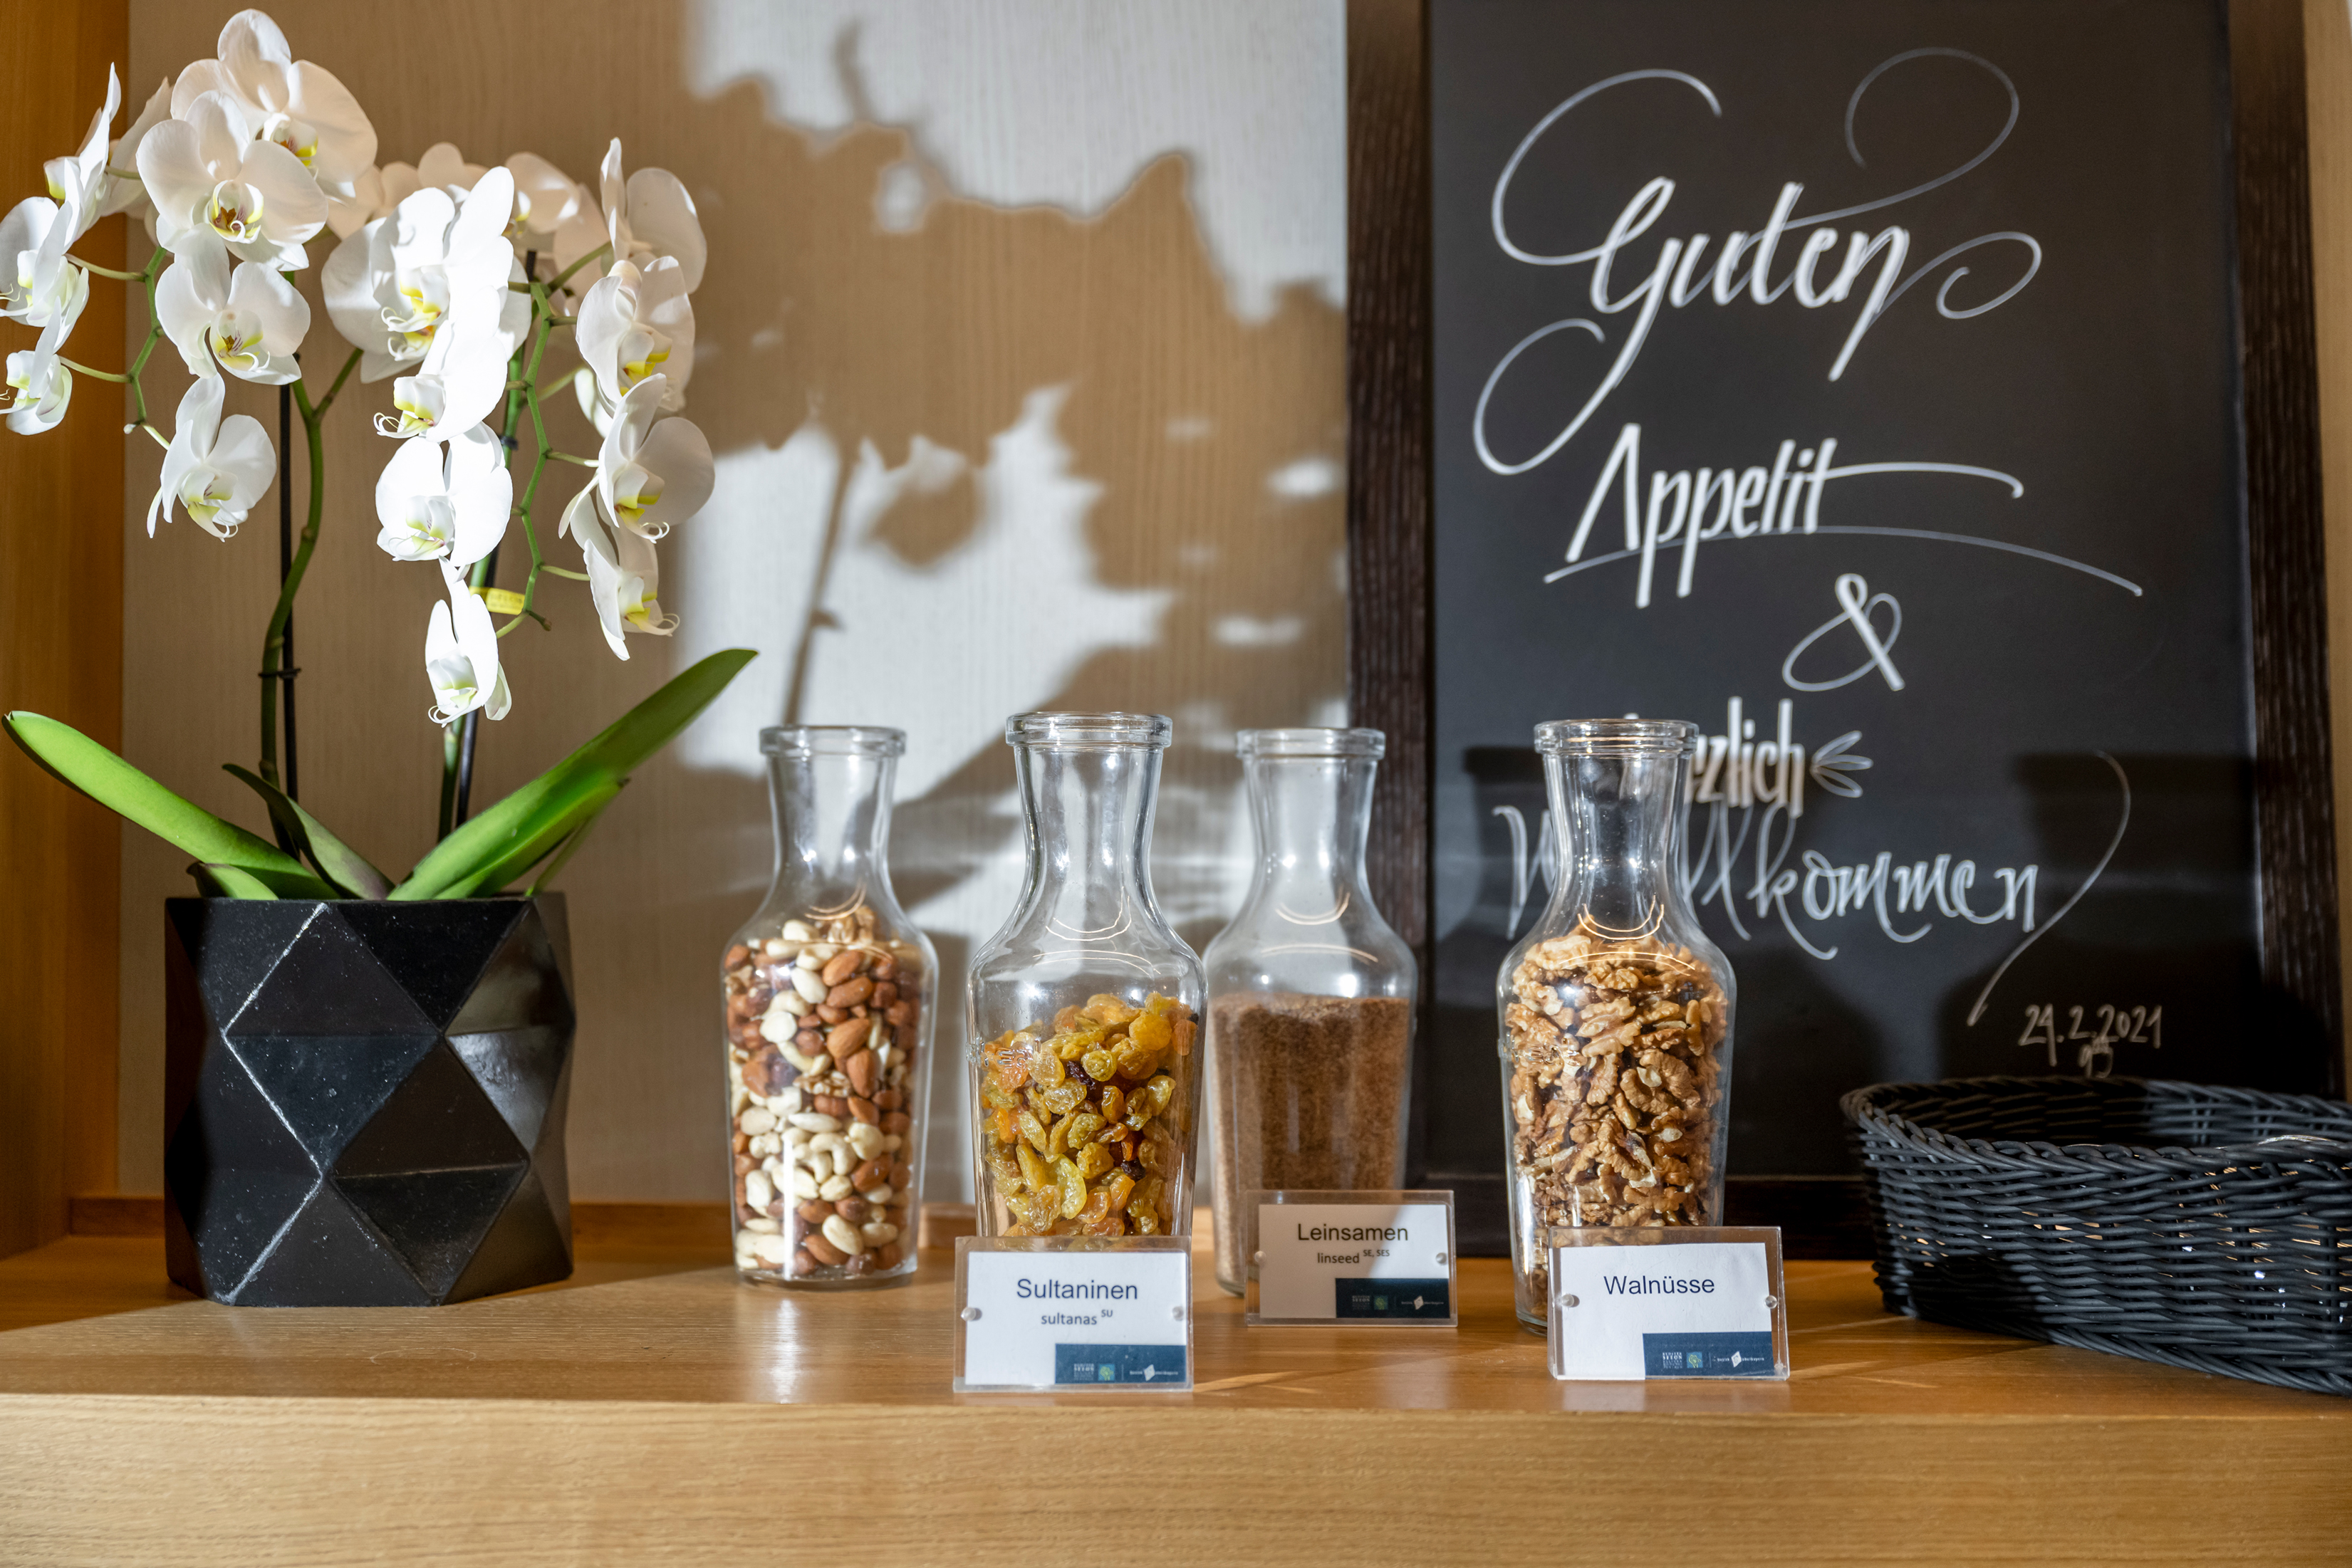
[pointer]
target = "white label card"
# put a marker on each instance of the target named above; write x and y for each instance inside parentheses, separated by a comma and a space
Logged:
(1697, 1309)
(1098, 1318)
(1373, 1261)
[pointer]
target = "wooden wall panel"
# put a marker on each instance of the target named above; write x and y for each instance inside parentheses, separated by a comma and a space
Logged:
(60, 654)
(2327, 67)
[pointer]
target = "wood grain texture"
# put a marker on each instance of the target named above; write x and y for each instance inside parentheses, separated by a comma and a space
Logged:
(2327, 80)
(2287, 567)
(61, 655)
(1390, 681)
(644, 1412)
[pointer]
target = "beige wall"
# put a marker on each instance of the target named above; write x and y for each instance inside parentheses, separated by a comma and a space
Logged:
(1127, 496)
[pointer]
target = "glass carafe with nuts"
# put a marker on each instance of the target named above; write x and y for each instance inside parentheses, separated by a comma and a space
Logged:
(1311, 992)
(1616, 1010)
(828, 994)
(1085, 1008)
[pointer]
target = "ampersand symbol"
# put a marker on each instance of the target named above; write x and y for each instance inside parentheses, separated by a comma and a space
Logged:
(1858, 605)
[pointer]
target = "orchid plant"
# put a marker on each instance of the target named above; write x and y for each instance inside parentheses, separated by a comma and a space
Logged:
(455, 281)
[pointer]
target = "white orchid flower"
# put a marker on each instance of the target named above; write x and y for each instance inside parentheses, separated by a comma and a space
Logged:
(356, 202)
(215, 468)
(125, 192)
(650, 215)
(77, 184)
(546, 198)
(638, 323)
(291, 103)
(38, 284)
(457, 387)
(444, 504)
(443, 168)
(204, 171)
(622, 573)
(461, 655)
(651, 474)
(249, 322)
(393, 286)
(38, 379)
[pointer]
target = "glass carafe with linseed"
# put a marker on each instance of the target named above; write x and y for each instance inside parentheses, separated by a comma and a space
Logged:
(1311, 993)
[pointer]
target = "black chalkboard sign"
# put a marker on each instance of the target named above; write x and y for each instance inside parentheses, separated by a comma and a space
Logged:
(1864, 381)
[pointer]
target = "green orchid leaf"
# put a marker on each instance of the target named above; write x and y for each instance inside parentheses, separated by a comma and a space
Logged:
(228, 881)
(564, 854)
(337, 862)
(529, 851)
(74, 759)
(508, 839)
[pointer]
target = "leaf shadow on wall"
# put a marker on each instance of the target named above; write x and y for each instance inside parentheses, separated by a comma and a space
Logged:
(940, 337)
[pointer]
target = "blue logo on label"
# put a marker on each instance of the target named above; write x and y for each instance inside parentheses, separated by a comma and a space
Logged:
(1095, 1364)
(1392, 1299)
(1708, 1355)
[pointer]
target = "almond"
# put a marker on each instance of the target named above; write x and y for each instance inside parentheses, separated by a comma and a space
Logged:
(825, 1251)
(884, 993)
(856, 1210)
(890, 1100)
(863, 1109)
(849, 993)
(860, 1068)
(896, 1121)
(885, 966)
(812, 1212)
(842, 965)
(846, 1037)
(874, 1173)
(901, 1013)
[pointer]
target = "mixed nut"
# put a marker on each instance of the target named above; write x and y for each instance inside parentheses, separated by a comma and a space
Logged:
(821, 1081)
(1615, 1082)
(1085, 1127)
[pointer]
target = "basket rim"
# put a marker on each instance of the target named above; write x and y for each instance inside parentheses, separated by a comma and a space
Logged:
(1861, 1107)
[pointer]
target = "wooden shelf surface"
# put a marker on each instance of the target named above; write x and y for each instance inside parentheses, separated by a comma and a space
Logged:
(651, 1409)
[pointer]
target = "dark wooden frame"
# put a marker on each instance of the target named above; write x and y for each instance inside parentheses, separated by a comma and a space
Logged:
(1389, 510)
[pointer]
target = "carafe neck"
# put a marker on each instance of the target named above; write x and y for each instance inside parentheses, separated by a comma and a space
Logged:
(831, 816)
(1621, 814)
(1312, 815)
(1088, 812)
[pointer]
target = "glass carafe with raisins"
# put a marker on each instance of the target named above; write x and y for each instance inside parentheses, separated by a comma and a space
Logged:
(829, 992)
(1616, 1010)
(1086, 1006)
(1311, 993)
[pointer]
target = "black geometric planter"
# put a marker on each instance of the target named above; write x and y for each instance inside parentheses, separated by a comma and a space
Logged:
(363, 1101)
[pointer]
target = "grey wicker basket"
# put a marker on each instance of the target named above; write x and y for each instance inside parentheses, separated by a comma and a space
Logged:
(2204, 1227)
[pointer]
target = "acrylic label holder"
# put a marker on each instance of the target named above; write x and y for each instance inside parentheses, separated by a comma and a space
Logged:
(1067, 1313)
(1679, 1301)
(1351, 1258)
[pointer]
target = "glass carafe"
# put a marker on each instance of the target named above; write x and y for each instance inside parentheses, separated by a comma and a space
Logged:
(1311, 992)
(829, 993)
(1085, 1008)
(1616, 1010)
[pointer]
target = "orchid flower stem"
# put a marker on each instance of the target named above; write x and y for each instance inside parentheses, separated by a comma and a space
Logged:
(108, 271)
(599, 254)
(273, 643)
(540, 455)
(81, 369)
(154, 335)
(573, 457)
(562, 571)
